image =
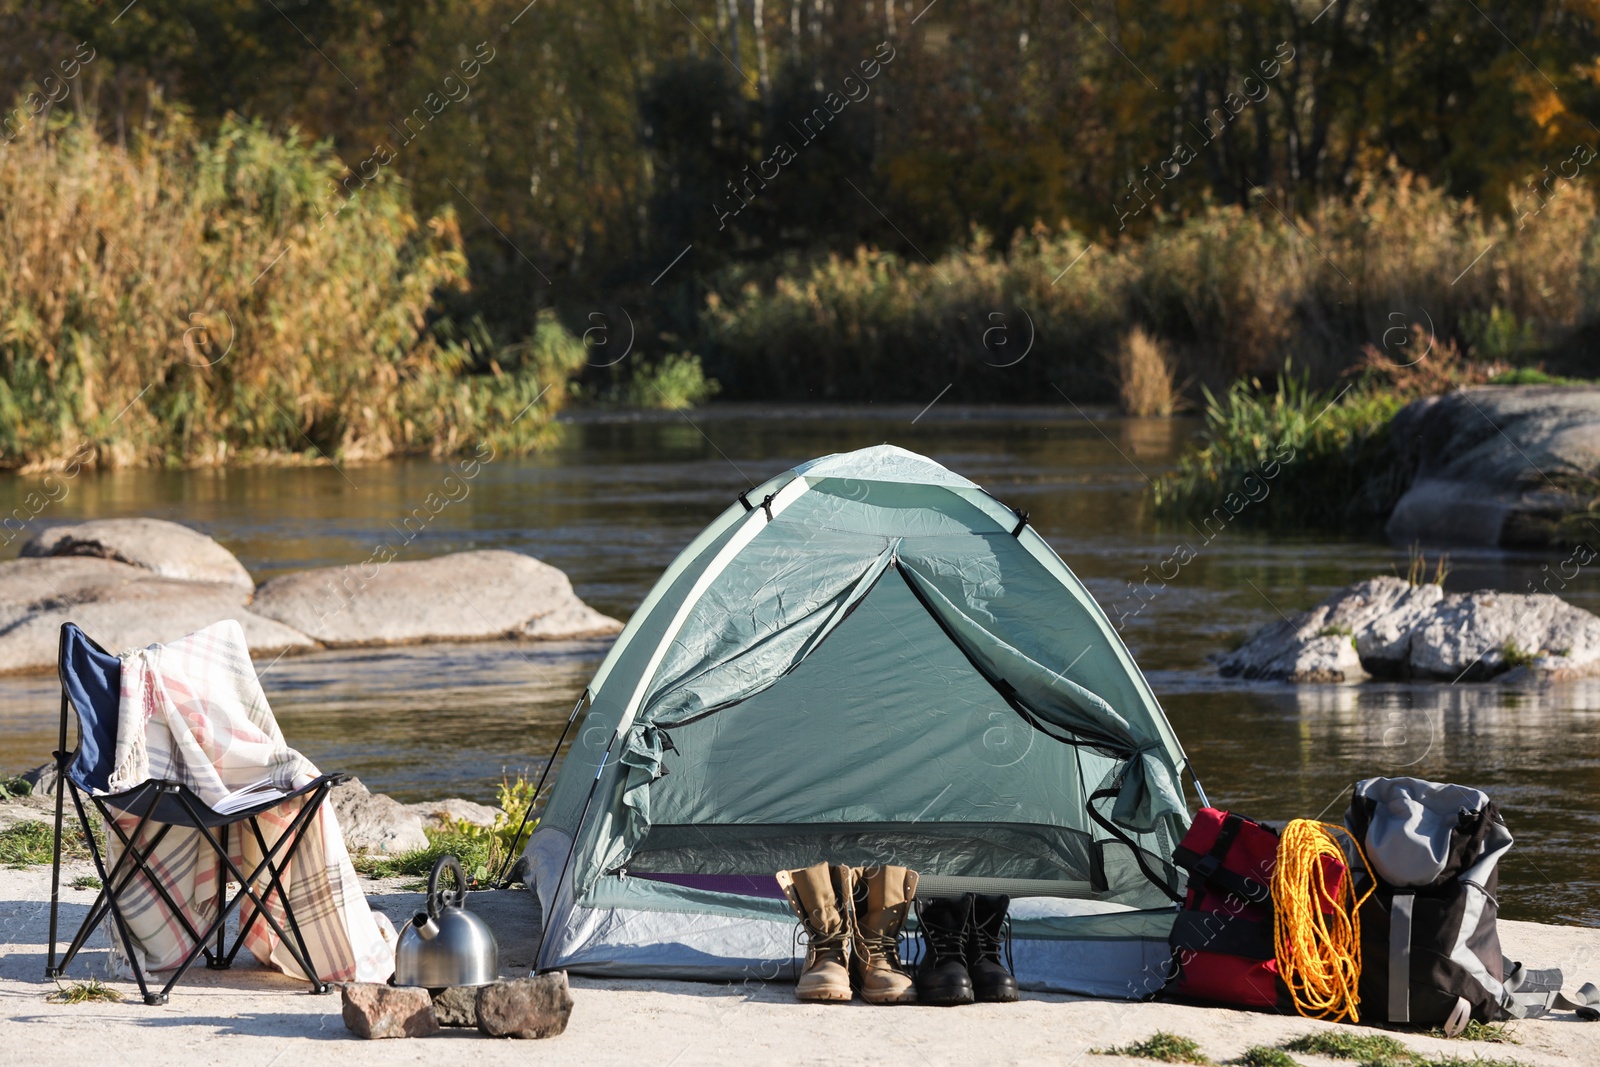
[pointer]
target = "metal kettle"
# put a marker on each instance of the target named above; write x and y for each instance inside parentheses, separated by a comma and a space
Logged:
(446, 945)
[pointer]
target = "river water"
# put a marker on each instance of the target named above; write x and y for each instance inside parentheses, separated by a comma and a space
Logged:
(614, 502)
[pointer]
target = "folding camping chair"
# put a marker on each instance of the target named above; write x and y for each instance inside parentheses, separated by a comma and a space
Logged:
(91, 682)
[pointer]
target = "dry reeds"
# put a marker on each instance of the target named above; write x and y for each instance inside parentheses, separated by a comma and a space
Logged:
(1237, 291)
(191, 301)
(1147, 378)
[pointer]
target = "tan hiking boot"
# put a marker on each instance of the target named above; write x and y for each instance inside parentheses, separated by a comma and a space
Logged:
(879, 900)
(826, 974)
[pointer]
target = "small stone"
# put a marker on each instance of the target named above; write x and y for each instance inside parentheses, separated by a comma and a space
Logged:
(373, 1010)
(457, 1006)
(525, 1007)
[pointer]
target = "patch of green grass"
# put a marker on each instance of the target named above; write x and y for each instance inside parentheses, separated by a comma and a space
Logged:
(1532, 376)
(83, 992)
(85, 881)
(1266, 1056)
(1493, 1033)
(1443, 1061)
(482, 850)
(26, 843)
(1345, 1045)
(1336, 629)
(1162, 1046)
(473, 852)
(16, 786)
(1513, 655)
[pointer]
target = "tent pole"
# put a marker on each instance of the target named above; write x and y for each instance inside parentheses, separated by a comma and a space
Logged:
(505, 869)
(572, 846)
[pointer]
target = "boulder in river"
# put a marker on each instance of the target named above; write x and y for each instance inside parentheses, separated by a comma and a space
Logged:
(1494, 465)
(1388, 628)
(119, 605)
(466, 596)
(161, 547)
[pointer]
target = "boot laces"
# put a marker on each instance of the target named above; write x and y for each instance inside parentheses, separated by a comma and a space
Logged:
(991, 942)
(943, 942)
(818, 944)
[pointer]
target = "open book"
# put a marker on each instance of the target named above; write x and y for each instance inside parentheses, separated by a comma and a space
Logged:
(261, 791)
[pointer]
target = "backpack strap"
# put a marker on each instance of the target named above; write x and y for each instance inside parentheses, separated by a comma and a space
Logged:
(1530, 993)
(1208, 869)
(1400, 913)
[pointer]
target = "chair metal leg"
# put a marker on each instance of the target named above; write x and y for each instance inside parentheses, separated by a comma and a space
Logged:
(295, 947)
(113, 882)
(142, 857)
(290, 836)
(275, 883)
(217, 961)
(55, 865)
(108, 889)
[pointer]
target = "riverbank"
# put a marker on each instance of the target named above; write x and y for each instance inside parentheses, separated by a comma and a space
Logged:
(248, 1015)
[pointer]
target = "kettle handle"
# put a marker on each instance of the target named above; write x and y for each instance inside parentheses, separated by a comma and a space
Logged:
(436, 898)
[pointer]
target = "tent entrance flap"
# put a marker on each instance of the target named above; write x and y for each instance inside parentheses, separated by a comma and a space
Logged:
(885, 744)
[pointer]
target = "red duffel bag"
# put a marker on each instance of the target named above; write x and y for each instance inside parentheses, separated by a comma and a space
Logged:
(1222, 944)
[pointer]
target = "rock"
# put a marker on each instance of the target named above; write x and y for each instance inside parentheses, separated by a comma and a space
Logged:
(373, 1010)
(457, 1005)
(163, 548)
(466, 596)
(374, 822)
(525, 1007)
(42, 778)
(1388, 628)
(1487, 464)
(445, 814)
(119, 605)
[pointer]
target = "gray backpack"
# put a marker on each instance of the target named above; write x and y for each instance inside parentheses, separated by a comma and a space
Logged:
(1430, 948)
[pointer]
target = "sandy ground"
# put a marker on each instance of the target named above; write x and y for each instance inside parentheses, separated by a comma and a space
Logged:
(248, 1016)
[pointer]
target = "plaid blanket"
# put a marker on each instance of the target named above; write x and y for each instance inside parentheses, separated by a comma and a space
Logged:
(193, 711)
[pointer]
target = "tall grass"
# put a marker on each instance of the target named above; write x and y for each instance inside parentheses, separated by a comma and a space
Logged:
(1288, 456)
(1231, 291)
(1296, 456)
(199, 301)
(1145, 374)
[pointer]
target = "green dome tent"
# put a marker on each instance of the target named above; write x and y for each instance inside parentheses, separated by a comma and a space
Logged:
(866, 660)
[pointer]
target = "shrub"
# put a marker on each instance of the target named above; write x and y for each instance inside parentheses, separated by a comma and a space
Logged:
(193, 301)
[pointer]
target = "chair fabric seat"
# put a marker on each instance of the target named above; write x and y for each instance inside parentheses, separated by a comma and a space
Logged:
(170, 809)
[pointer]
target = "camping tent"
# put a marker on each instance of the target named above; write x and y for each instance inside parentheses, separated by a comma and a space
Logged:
(867, 659)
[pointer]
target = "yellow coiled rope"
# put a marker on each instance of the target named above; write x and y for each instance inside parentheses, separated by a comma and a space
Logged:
(1316, 926)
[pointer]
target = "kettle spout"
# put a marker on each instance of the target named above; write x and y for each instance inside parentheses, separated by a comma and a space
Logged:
(424, 925)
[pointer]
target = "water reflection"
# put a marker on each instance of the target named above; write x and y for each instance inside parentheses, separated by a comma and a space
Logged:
(1281, 752)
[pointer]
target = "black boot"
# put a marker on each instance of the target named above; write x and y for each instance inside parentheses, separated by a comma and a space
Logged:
(944, 924)
(991, 980)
